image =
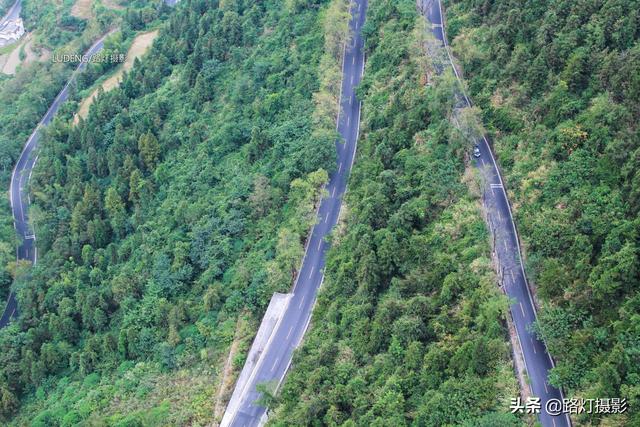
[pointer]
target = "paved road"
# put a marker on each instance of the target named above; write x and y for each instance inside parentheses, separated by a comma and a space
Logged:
(507, 251)
(276, 358)
(19, 189)
(11, 15)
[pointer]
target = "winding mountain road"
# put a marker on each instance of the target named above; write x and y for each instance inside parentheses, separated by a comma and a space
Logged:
(276, 358)
(19, 188)
(507, 251)
(12, 14)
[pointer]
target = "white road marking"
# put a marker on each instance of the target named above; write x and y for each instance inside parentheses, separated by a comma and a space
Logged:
(512, 276)
(352, 77)
(274, 365)
(340, 168)
(301, 301)
(353, 60)
(546, 390)
(496, 185)
(327, 218)
(506, 248)
(499, 215)
(522, 309)
(455, 71)
(289, 334)
(353, 156)
(348, 121)
(534, 346)
(333, 193)
(320, 241)
(311, 274)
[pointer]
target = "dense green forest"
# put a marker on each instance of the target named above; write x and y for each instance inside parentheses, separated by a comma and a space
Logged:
(180, 204)
(558, 83)
(168, 217)
(409, 326)
(30, 92)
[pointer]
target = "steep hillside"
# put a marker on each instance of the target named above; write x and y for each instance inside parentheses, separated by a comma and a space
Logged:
(180, 204)
(559, 86)
(27, 95)
(408, 329)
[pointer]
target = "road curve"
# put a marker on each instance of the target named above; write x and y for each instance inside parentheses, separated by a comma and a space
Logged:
(276, 358)
(507, 251)
(12, 14)
(19, 188)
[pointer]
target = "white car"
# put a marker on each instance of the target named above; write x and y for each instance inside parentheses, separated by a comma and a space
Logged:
(476, 151)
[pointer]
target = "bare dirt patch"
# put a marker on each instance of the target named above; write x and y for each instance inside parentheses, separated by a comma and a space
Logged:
(10, 62)
(139, 46)
(227, 379)
(82, 9)
(113, 4)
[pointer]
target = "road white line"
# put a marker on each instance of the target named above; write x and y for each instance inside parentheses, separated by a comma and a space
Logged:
(302, 301)
(311, 274)
(513, 226)
(546, 390)
(320, 240)
(499, 215)
(289, 334)
(333, 193)
(533, 345)
(340, 168)
(353, 60)
(513, 277)
(274, 365)
(522, 309)
(348, 121)
(506, 248)
(352, 77)
(327, 218)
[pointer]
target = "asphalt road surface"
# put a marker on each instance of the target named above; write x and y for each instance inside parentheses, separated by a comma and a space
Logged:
(12, 14)
(507, 251)
(276, 358)
(19, 189)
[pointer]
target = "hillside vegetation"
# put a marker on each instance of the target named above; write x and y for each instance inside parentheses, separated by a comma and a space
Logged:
(181, 203)
(408, 328)
(29, 93)
(559, 86)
